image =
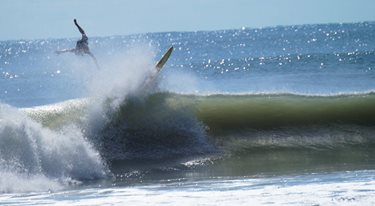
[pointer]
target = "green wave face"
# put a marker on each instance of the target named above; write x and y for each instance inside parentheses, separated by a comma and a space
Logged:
(292, 131)
(228, 112)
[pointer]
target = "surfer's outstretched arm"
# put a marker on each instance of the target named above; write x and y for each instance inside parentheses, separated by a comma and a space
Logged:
(65, 50)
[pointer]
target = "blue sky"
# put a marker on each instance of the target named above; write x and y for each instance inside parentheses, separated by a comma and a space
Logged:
(38, 19)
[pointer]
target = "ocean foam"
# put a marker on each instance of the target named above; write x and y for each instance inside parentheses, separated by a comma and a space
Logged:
(33, 155)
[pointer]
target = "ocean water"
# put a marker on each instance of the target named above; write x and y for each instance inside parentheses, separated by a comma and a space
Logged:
(266, 116)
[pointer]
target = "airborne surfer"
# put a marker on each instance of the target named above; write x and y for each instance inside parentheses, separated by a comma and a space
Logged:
(82, 46)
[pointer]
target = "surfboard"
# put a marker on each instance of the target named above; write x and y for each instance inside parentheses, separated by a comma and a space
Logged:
(159, 65)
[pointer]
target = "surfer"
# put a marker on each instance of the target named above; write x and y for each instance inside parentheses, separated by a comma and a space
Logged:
(82, 46)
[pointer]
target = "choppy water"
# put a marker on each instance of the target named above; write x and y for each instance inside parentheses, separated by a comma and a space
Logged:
(316, 189)
(280, 115)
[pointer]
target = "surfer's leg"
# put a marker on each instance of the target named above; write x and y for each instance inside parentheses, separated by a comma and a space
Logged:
(79, 28)
(93, 57)
(84, 39)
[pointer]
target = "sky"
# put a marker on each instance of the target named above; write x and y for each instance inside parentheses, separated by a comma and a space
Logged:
(40, 19)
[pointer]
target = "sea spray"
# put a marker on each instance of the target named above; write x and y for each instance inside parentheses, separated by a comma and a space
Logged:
(128, 120)
(34, 158)
(122, 74)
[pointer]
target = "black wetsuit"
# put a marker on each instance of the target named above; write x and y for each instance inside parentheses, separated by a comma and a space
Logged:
(82, 46)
